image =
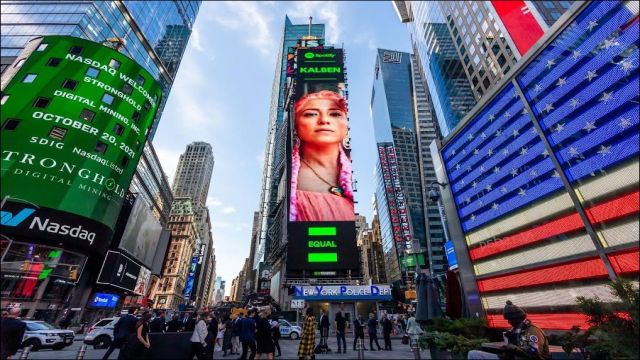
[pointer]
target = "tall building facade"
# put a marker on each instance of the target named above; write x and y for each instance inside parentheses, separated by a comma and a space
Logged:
(372, 254)
(192, 180)
(156, 33)
(399, 191)
(272, 211)
(541, 180)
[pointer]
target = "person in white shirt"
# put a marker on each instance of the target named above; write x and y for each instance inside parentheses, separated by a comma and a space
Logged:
(198, 338)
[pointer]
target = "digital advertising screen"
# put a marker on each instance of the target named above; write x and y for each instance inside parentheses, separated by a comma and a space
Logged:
(321, 229)
(104, 300)
(75, 117)
(142, 233)
(120, 271)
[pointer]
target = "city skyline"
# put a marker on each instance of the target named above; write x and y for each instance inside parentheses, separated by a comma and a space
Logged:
(205, 108)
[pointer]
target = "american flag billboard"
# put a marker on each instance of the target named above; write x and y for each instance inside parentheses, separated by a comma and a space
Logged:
(545, 175)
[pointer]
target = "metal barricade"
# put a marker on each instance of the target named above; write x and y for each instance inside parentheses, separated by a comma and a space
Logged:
(25, 353)
(81, 352)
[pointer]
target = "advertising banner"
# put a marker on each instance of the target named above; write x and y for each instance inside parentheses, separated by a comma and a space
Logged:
(376, 292)
(188, 287)
(75, 117)
(520, 23)
(400, 225)
(321, 229)
(142, 233)
(120, 271)
(103, 300)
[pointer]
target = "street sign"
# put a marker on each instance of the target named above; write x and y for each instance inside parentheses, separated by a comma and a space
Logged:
(297, 304)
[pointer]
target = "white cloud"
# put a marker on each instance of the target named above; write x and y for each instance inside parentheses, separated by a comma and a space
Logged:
(213, 202)
(252, 18)
(228, 210)
(169, 160)
(196, 41)
(322, 12)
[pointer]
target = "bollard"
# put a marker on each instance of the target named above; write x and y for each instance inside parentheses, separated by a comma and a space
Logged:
(83, 349)
(415, 348)
(361, 349)
(25, 352)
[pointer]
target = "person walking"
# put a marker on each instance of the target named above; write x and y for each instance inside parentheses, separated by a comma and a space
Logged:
(138, 344)
(199, 339)
(323, 326)
(212, 335)
(413, 329)
(158, 324)
(340, 324)
(275, 335)
(189, 322)
(125, 326)
(222, 328)
(174, 324)
(358, 329)
(372, 327)
(11, 333)
(308, 338)
(227, 337)
(235, 338)
(263, 335)
(248, 335)
(387, 327)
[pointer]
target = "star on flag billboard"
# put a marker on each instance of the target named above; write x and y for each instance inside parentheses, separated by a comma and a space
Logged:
(526, 236)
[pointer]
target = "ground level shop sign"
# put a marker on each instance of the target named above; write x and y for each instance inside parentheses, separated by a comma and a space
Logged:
(376, 292)
(75, 117)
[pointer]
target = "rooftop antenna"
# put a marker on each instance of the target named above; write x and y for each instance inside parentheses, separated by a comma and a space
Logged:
(310, 20)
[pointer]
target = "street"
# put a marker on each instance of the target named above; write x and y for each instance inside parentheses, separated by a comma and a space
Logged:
(289, 351)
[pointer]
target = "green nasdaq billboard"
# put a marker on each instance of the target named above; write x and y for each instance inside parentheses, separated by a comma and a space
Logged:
(75, 117)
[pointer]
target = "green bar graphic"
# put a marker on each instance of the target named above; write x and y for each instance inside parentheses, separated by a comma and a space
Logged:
(322, 231)
(323, 257)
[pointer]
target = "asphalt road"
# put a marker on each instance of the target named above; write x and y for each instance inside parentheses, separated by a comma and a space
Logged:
(289, 351)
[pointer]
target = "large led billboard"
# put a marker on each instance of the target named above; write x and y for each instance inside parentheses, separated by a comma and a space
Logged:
(321, 229)
(142, 233)
(75, 117)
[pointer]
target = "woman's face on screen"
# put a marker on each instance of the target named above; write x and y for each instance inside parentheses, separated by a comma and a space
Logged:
(321, 121)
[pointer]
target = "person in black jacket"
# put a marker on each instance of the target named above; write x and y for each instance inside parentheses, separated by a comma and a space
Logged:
(341, 325)
(358, 327)
(12, 330)
(188, 322)
(323, 326)
(158, 324)
(125, 326)
(275, 335)
(372, 326)
(174, 324)
(387, 326)
(212, 334)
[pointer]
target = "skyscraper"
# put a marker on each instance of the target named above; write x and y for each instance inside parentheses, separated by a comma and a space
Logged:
(192, 179)
(399, 189)
(271, 210)
(156, 32)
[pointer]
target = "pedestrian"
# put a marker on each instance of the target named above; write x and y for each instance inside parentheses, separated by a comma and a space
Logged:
(158, 324)
(413, 329)
(228, 336)
(248, 335)
(174, 324)
(11, 332)
(65, 322)
(138, 344)
(308, 338)
(263, 335)
(402, 324)
(212, 335)
(125, 326)
(235, 338)
(222, 328)
(275, 335)
(189, 321)
(358, 328)
(340, 324)
(323, 326)
(372, 327)
(523, 341)
(199, 338)
(387, 327)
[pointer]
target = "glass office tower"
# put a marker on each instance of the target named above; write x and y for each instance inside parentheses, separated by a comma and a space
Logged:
(156, 32)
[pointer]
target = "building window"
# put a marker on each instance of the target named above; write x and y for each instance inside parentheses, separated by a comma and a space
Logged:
(136, 116)
(138, 143)
(114, 64)
(41, 47)
(19, 63)
(10, 124)
(57, 133)
(486, 83)
(29, 78)
(140, 80)
(100, 148)
(118, 129)
(125, 161)
(87, 115)
(107, 99)
(147, 106)
(92, 72)
(53, 62)
(4, 99)
(75, 50)
(41, 102)
(127, 89)
(70, 84)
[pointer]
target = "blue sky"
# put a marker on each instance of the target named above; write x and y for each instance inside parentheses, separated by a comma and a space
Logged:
(222, 93)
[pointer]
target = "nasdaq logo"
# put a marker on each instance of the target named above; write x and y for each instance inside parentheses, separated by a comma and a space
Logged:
(9, 219)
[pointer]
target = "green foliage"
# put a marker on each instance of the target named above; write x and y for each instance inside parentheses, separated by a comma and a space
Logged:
(574, 339)
(457, 336)
(615, 326)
